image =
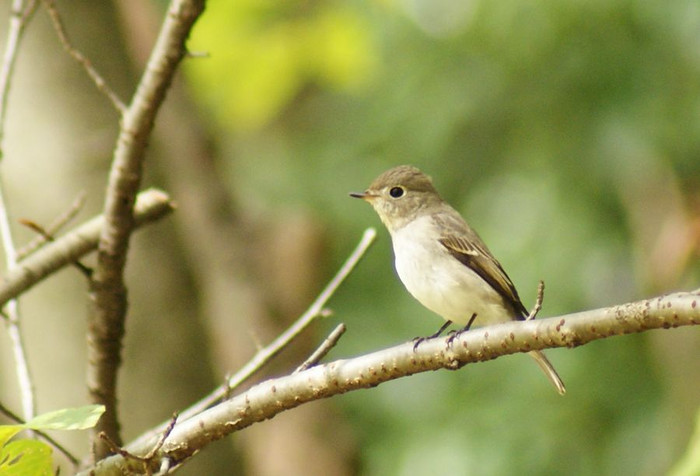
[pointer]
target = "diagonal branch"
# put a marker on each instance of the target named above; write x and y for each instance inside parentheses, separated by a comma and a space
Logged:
(48, 233)
(264, 355)
(151, 205)
(108, 291)
(91, 71)
(274, 396)
(268, 352)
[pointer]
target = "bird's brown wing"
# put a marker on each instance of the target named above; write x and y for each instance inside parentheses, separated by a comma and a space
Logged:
(477, 257)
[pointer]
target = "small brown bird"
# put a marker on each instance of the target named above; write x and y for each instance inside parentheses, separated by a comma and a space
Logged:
(442, 262)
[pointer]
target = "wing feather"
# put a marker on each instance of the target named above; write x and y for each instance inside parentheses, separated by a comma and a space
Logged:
(474, 254)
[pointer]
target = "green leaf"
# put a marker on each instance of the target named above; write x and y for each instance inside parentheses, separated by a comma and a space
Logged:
(33, 458)
(7, 432)
(25, 457)
(68, 418)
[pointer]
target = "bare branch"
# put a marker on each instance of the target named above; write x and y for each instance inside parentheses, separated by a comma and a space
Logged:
(145, 460)
(96, 77)
(151, 205)
(24, 375)
(107, 288)
(13, 321)
(19, 17)
(47, 234)
(538, 301)
(274, 396)
(264, 355)
(325, 347)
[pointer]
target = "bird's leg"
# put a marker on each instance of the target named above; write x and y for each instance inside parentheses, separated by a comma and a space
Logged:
(418, 340)
(461, 331)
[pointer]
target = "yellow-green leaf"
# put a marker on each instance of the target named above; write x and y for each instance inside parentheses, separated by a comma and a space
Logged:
(68, 418)
(7, 432)
(25, 458)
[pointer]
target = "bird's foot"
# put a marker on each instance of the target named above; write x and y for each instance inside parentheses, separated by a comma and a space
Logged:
(419, 340)
(458, 333)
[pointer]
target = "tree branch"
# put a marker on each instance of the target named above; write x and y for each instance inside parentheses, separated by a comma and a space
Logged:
(20, 13)
(14, 328)
(322, 350)
(151, 205)
(49, 232)
(268, 352)
(274, 396)
(108, 291)
(264, 355)
(91, 71)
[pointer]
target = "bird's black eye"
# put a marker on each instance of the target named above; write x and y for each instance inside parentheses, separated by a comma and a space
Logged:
(396, 192)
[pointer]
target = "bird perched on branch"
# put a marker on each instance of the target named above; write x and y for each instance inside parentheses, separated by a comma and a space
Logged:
(441, 261)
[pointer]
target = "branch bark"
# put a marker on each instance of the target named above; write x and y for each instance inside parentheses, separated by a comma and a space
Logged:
(108, 290)
(274, 396)
(151, 205)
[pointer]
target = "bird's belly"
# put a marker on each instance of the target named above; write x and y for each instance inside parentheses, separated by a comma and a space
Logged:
(446, 286)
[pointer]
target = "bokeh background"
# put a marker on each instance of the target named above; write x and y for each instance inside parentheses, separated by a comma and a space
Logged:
(567, 133)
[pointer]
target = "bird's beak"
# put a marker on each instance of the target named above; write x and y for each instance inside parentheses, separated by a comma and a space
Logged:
(366, 195)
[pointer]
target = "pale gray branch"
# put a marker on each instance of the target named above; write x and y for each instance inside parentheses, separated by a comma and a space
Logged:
(48, 233)
(108, 293)
(322, 350)
(314, 312)
(151, 205)
(14, 324)
(274, 396)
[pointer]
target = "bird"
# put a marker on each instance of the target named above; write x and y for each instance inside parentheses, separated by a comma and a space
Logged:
(441, 260)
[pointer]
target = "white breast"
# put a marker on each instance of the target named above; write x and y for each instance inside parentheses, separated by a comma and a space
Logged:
(439, 281)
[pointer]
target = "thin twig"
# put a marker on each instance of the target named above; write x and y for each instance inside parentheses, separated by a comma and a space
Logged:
(538, 301)
(99, 81)
(14, 330)
(15, 418)
(325, 347)
(115, 448)
(163, 437)
(264, 355)
(47, 233)
(19, 17)
(43, 233)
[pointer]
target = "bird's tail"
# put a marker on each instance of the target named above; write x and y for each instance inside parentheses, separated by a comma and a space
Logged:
(547, 368)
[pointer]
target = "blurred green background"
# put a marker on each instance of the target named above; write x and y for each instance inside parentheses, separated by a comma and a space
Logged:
(567, 133)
